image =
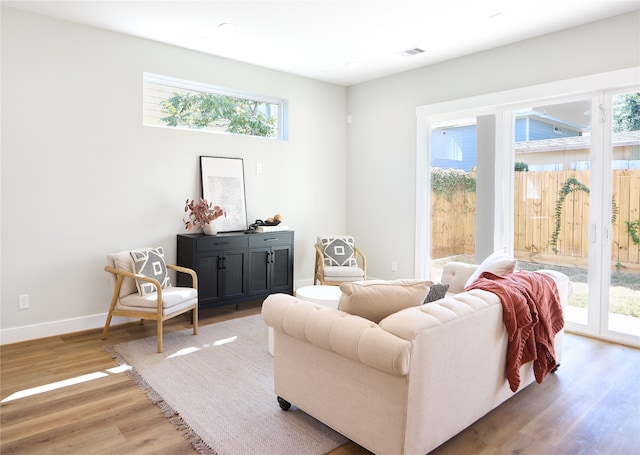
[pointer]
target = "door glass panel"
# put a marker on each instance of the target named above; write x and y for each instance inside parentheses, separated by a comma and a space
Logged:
(551, 195)
(453, 198)
(624, 289)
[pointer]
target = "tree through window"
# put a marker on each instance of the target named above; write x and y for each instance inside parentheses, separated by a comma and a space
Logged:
(185, 104)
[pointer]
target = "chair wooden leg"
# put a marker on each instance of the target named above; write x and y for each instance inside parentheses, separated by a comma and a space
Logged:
(106, 326)
(114, 299)
(195, 319)
(112, 306)
(159, 335)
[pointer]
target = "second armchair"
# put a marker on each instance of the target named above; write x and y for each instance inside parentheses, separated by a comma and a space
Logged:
(338, 260)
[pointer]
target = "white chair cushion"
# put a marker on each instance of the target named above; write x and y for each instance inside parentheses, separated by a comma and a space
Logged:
(170, 297)
(165, 311)
(343, 272)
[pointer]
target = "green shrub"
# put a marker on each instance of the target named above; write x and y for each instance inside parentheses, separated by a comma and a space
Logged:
(448, 181)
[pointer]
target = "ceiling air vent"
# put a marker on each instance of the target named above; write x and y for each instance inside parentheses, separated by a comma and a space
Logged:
(412, 52)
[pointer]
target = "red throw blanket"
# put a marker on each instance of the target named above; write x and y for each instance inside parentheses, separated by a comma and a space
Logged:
(532, 316)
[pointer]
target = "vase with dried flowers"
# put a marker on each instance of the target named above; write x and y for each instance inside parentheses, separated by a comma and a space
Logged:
(202, 215)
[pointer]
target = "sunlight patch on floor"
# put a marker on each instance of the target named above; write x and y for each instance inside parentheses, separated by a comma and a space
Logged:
(192, 349)
(64, 383)
(54, 385)
(97, 375)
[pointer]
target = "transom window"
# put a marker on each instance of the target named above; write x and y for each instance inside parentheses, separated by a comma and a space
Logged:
(179, 103)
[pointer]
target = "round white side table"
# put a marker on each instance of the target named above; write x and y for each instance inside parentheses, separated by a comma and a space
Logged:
(328, 296)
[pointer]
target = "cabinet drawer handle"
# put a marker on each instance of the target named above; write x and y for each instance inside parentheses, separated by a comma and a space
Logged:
(271, 239)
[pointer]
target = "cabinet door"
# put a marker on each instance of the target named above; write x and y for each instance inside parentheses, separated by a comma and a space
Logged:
(270, 270)
(233, 274)
(259, 270)
(209, 289)
(281, 269)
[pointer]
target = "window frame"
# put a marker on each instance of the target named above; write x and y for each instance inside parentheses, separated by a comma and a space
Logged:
(201, 87)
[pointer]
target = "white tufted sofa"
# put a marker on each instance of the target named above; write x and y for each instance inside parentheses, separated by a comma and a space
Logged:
(407, 384)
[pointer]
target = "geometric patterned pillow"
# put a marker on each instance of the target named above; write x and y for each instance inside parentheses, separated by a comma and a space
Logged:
(338, 250)
(436, 292)
(150, 263)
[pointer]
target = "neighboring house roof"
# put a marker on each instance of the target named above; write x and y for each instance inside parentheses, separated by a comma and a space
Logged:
(627, 138)
(471, 121)
(549, 119)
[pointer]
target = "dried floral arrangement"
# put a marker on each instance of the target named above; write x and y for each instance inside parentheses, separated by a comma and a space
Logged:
(201, 213)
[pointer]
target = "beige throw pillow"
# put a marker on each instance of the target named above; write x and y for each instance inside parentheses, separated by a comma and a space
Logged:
(376, 299)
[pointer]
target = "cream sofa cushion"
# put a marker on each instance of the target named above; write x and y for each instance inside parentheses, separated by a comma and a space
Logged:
(376, 299)
(456, 274)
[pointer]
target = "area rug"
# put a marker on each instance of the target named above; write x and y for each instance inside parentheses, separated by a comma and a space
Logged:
(218, 386)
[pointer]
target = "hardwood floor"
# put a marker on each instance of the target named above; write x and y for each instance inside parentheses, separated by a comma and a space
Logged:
(591, 406)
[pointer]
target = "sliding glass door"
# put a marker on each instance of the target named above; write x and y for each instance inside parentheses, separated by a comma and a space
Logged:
(452, 164)
(577, 205)
(551, 147)
(563, 183)
(620, 309)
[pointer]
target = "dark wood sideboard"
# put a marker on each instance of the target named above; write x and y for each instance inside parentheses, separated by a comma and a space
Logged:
(235, 267)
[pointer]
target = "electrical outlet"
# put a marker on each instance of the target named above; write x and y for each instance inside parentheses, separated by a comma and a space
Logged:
(258, 168)
(23, 301)
(394, 266)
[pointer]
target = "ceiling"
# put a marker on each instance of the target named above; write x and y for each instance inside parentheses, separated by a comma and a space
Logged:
(341, 42)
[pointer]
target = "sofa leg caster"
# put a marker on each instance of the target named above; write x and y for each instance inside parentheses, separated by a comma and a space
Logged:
(284, 404)
(555, 368)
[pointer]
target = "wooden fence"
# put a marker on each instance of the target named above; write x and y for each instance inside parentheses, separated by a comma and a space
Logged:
(535, 198)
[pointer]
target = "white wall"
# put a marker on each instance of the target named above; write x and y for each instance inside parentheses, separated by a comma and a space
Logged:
(382, 135)
(81, 176)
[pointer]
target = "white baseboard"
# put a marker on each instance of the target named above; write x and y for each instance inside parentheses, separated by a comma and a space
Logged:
(55, 328)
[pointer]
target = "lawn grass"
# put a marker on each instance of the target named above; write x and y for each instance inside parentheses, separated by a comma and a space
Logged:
(624, 293)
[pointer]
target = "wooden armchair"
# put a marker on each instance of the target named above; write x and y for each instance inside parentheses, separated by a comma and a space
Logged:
(149, 295)
(338, 260)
